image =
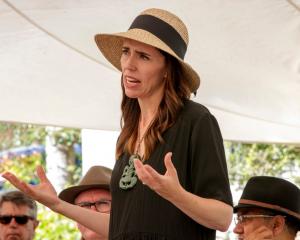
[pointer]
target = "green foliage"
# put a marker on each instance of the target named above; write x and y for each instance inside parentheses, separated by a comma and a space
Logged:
(67, 136)
(247, 160)
(65, 139)
(244, 161)
(75, 174)
(23, 167)
(52, 225)
(14, 135)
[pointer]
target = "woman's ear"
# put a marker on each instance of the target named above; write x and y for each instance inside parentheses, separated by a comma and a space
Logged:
(278, 225)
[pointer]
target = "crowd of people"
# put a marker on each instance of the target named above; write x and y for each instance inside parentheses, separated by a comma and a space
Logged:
(170, 179)
(268, 208)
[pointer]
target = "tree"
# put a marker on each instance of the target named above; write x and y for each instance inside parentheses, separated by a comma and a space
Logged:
(15, 142)
(244, 160)
(247, 160)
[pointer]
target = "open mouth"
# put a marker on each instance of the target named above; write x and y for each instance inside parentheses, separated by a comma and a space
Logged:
(131, 80)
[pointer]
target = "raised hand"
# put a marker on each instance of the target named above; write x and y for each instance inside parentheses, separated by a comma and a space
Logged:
(260, 233)
(166, 185)
(44, 192)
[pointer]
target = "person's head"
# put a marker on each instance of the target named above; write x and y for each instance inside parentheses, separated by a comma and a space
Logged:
(18, 216)
(92, 192)
(150, 56)
(270, 202)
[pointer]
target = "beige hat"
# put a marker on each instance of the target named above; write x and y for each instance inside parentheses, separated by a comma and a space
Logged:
(96, 177)
(155, 27)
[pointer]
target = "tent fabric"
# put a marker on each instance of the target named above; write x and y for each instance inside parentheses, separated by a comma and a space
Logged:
(246, 52)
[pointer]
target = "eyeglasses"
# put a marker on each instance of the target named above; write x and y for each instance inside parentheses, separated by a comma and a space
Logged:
(242, 218)
(20, 219)
(102, 206)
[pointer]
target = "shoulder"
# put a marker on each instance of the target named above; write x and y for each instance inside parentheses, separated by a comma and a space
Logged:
(194, 111)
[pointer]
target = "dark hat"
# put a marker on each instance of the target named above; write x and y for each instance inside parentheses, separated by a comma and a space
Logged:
(96, 177)
(271, 193)
(158, 28)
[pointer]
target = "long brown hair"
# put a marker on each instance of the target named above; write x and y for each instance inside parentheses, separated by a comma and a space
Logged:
(176, 91)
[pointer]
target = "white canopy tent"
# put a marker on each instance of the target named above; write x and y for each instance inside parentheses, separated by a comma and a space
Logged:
(246, 52)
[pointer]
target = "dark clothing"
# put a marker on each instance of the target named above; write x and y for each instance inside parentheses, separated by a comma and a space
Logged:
(198, 155)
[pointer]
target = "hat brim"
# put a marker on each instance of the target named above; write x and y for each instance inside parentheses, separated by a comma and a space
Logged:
(69, 194)
(276, 209)
(111, 47)
(240, 206)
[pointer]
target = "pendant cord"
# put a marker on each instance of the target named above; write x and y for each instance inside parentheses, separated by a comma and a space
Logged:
(140, 140)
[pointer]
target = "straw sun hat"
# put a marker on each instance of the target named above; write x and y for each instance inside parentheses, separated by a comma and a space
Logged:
(155, 27)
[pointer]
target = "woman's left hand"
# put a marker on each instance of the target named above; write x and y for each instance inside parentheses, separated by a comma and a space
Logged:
(166, 185)
(204, 211)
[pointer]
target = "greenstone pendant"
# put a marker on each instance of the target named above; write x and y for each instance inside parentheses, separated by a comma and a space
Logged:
(129, 177)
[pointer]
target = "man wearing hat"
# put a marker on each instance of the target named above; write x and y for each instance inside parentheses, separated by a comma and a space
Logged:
(269, 208)
(93, 193)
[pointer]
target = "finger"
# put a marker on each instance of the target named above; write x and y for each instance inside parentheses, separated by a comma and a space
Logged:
(137, 164)
(152, 178)
(145, 173)
(24, 187)
(11, 178)
(153, 175)
(41, 174)
(140, 171)
(266, 233)
(261, 232)
(168, 162)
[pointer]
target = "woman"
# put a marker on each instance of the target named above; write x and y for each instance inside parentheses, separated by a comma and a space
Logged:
(170, 179)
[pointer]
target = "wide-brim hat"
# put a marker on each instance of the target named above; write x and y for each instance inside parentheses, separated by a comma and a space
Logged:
(158, 28)
(97, 177)
(271, 193)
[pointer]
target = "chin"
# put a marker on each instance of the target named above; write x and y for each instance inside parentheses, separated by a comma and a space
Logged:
(92, 236)
(130, 94)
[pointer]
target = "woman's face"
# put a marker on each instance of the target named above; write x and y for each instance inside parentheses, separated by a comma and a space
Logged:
(143, 69)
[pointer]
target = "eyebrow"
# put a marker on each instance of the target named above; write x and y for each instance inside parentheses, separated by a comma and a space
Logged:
(137, 51)
(143, 53)
(101, 199)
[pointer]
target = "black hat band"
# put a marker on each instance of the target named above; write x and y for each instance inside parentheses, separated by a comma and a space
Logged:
(163, 31)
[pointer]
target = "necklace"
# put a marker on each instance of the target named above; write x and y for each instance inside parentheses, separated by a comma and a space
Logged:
(129, 177)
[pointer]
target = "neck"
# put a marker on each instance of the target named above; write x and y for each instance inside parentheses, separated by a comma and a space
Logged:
(149, 106)
(146, 119)
(148, 112)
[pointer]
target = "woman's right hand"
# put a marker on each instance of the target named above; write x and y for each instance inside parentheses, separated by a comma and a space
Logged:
(43, 192)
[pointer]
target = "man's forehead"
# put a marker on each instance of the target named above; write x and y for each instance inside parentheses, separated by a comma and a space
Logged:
(93, 195)
(244, 211)
(11, 208)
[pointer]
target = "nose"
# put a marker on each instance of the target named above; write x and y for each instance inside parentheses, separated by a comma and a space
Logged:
(128, 63)
(13, 223)
(93, 207)
(238, 229)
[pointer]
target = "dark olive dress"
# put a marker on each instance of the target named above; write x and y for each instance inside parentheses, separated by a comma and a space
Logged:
(198, 155)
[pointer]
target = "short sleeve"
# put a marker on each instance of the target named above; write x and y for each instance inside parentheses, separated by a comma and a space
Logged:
(209, 175)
